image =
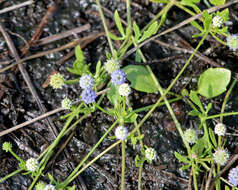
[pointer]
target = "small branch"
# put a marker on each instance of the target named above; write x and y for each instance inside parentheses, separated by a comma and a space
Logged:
(16, 7)
(61, 35)
(2, 133)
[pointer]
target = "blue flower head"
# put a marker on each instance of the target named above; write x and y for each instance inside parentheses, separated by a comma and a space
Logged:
(88, 96)
(118, 77)
(233, 176)
(86, 82)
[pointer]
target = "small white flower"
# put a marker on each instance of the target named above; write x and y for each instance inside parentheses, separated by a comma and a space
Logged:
(221, 156)
(49, 187)
(124, 89)
(57, 81)
(217, 21)
(190, 135)
(220, 129)
(32, 164)
(66, 104)
(121, 133)
(150, 154)
(111, 65)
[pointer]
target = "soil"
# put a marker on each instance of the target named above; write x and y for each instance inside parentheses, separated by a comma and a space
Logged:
(17, 104)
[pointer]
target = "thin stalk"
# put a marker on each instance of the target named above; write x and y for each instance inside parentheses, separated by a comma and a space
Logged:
(128, 14)
(218, 39)
(140, 176)
(123, 164)
(194, 178)
(160, 104)
(227, 98)
(49, 153)
(95, 159)
(17, 157)
(10, 175)
(105, 28)
(221, 114)
(103, 110)
(73, 174)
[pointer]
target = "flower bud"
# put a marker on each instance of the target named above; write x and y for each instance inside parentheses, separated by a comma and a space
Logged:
(66, 103)
(57, 81)
(190, 136)
(111, 65)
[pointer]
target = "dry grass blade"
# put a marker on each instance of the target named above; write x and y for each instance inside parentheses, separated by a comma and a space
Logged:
(16, 7)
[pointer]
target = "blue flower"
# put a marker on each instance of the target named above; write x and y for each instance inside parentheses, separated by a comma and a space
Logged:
(118, 77)
(88, 96)
(233, 176)
(86, 82)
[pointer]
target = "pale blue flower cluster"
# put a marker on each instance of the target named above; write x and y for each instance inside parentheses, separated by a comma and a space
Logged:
(233, 176)
(88, 95)
(118, 77)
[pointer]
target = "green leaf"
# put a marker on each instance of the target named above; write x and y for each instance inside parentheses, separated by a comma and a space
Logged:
(198, 147)
(131, 117)
(118, 23)
(185, 167)
(196, 25)
(140, 78)
(194, 113)
(79, 68)
(150, 31)
(136, 31)
(79, 54)
(217, 2)
(71, 188)
(194, 97)
(114, 37)
(180, 157)
(207, 20)
(212, 137)
(227, 187)
(209, 107)
(113, 95)
(213, 82)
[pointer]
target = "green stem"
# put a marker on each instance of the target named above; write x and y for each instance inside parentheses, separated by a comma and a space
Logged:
(103, 110)
(17, 157)
(194, 178)
(140, 176)
(226, 99)
(10, 175)
(105, 28)
(221, 114)
(160, 104)
(128, 13)
(123, 164)
(74, 174)
(95, 159)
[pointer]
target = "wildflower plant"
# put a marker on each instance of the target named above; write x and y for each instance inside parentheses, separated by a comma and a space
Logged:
(114, 83)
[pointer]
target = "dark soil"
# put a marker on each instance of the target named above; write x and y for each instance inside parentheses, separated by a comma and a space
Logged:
(18, 105)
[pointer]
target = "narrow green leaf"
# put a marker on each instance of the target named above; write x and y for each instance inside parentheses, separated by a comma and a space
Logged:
(185, 167)
(194, 97)
(150, 31)
(79, 54)
(136, 31)
(196, 25)
(180, 157)
(140, 78)
(217, 2)
(194, 113)
(213, 82)
(114, 37)
(212, 137)
(118, 23)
